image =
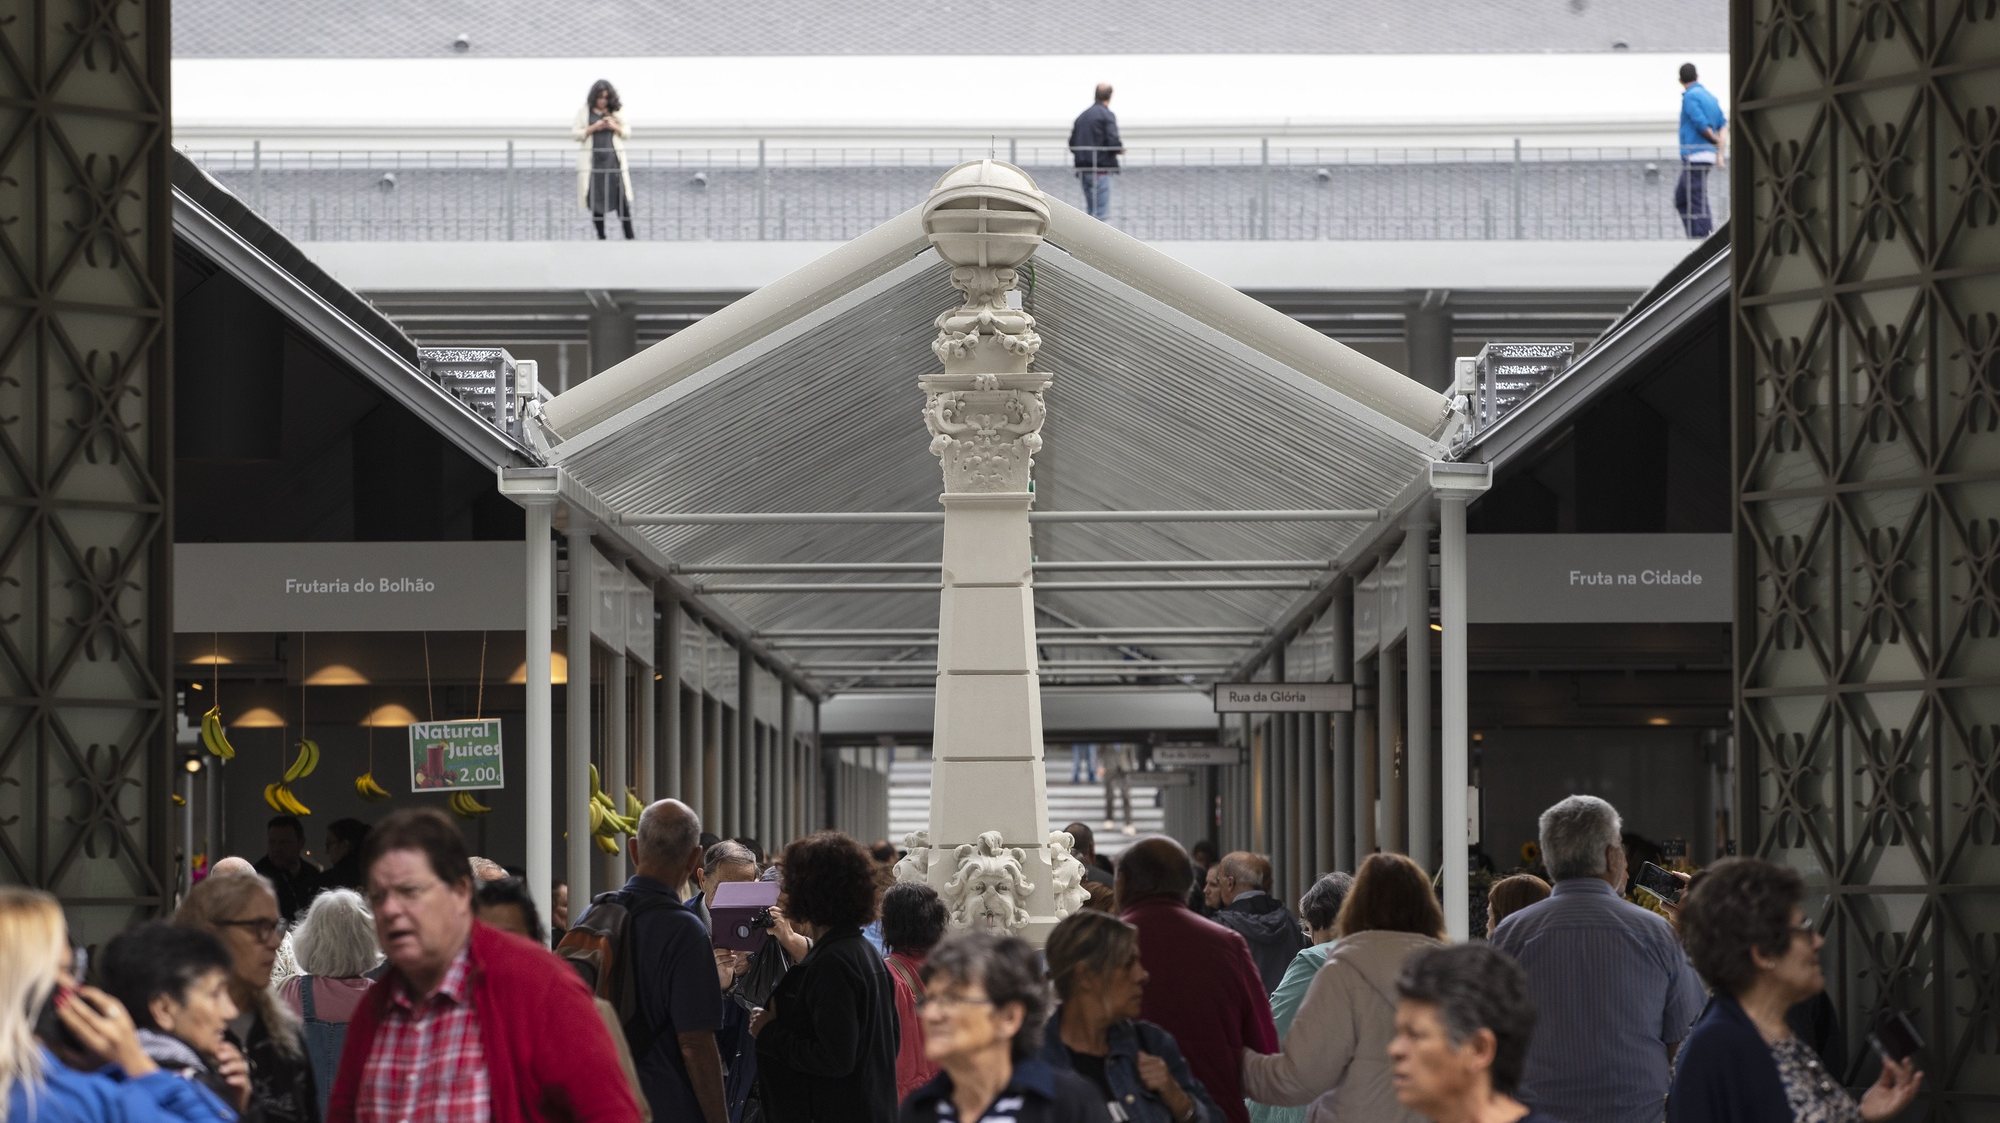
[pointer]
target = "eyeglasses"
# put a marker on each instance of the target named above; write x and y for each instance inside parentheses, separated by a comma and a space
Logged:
(1804, 927)
(263, 929)
(952, 1001)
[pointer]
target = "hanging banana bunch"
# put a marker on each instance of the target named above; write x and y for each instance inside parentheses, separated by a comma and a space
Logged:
(368, 788)
(279, 798)
(466, 806)
(213, 737)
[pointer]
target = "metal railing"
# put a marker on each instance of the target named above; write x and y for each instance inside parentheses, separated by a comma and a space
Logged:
(762, 192)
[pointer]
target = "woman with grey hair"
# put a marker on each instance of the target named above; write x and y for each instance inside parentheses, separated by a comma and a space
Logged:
(1319, 907)
(241, 910)
(336, 950)
(1463, 1020)
(983, 1007)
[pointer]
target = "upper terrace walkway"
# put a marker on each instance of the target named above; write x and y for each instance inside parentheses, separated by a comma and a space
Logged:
(756, 192)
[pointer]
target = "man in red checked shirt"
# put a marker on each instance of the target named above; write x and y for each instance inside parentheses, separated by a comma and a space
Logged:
(470, 1023)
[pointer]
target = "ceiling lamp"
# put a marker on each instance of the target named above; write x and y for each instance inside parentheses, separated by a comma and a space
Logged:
(336, 674)
(258, 717)
(392, 715)
(558, 671)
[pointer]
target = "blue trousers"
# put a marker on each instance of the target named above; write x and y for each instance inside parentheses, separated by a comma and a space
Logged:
(1096, 192)
(1691, 200)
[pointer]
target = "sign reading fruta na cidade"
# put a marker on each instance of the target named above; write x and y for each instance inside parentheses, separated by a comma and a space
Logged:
(455, 756)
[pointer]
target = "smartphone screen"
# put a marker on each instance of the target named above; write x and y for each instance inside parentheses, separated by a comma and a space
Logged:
(1660, 883)
(1895, 1036)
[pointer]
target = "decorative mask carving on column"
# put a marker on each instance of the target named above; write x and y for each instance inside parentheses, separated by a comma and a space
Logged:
(915, 865)
(990, 889)
(1066, 873)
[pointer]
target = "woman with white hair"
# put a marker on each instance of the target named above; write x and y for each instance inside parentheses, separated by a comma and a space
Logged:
(337, 951)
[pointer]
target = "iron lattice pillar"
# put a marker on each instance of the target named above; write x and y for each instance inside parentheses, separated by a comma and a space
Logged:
(1866, 395)
(86, 276)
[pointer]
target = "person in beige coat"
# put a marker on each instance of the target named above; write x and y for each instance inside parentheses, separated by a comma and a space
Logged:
(603, 182)
(1336, 1057)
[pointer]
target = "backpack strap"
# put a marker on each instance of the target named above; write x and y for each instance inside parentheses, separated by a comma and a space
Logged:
(905, 972)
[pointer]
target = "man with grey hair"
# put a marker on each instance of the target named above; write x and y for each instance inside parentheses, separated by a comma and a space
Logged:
(1615, 992)
(1243, 894)
(723, 862)
(679, 997)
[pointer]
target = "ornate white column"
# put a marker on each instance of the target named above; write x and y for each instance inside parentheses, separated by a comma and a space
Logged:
(989, 850)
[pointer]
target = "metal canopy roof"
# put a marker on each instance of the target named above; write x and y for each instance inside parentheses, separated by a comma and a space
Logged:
(1172, 392)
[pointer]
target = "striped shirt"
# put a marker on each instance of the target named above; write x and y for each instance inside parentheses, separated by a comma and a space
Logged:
(428, 1064)
(1612, 990)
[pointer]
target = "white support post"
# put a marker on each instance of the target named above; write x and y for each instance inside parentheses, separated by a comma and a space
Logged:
(541, 780)
(576, 702)
(617, 748)
(1456, 484)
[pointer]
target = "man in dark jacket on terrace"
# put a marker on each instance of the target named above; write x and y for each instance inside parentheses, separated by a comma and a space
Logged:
(1094, 141)
(1243, 887)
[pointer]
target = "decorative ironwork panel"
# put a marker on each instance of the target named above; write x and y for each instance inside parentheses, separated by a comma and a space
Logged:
(1866, 249)
(86, 266)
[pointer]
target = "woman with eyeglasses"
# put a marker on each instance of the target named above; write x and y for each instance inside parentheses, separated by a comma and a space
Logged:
(241, 910)
(603, 180)
(983, 1009)
(69, 1053)
(1744, 926)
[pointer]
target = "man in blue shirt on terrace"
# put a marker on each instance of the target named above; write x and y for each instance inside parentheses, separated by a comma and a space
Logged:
(1094, 141)
(1614, 993)
(1704, 149)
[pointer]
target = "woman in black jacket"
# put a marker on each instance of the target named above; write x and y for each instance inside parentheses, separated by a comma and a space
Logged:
(1745, 928)
(984, 1006)
(826, 1040)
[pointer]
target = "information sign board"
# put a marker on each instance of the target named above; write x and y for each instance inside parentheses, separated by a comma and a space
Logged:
(1196, 756)
(1283, 698)
(455, 756)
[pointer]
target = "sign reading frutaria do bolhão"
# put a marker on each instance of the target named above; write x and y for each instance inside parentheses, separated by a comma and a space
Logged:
(455, 756)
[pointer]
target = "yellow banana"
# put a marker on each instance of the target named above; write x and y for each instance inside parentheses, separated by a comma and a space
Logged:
(271, 799)
(213, 737)
(596, 783)
(472, 805)
(290, 803)
(180, 800)
(597, 820)
(608, 845)
(308, 759)
(634, 806)
(366, 786)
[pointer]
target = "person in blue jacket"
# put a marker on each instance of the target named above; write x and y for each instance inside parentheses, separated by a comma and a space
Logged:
(1094, 142)
(70, 1054)
(1135, 1066)
(1745, 928)
(1704, 149)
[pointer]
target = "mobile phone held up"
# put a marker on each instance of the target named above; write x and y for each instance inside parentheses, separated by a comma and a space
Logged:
(50, 1029)
(1661, 883)
(1894, 1036)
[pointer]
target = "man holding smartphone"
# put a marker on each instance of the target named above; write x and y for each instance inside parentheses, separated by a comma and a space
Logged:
(1614, 991)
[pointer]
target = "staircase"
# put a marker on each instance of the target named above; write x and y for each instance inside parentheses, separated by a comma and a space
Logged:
(910, 800)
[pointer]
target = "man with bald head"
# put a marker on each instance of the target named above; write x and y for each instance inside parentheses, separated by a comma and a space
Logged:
(680, 999)
(1244, 905)
(1217, 1006)
(226, 866)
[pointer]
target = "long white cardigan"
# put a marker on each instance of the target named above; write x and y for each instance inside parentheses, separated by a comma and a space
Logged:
(619, 131)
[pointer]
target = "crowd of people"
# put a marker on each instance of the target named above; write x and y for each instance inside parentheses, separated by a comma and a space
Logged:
(1189, 995)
